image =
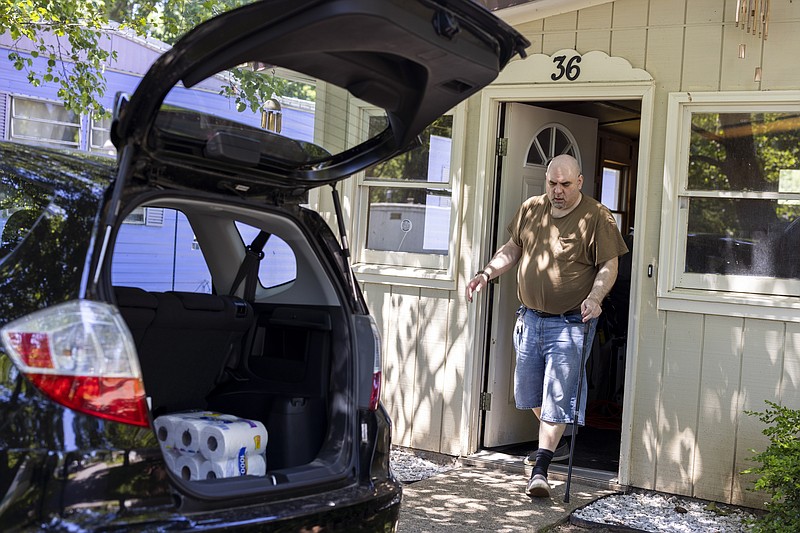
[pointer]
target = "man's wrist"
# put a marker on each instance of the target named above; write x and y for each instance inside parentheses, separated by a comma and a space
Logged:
(483, 273)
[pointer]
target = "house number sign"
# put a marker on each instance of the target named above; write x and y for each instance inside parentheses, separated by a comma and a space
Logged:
(566, 67)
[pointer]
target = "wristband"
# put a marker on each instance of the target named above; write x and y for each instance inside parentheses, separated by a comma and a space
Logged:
(484, 273)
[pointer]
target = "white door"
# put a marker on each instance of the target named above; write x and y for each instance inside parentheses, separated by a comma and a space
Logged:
(534, 135)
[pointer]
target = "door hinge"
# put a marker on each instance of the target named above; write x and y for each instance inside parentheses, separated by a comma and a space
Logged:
(502, 146)
(486, 401)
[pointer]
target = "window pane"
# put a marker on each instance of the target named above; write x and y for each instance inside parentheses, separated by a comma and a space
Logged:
(428, 162)
(160, 258)
(278, 265)
(409, 220)
(100, 136)
(742, 151)
(611, 183)
(44, 123)
(743, 237)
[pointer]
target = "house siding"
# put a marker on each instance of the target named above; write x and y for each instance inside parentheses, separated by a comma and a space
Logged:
(693, 374)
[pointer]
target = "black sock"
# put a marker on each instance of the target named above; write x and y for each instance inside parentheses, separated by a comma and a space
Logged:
(543, 458)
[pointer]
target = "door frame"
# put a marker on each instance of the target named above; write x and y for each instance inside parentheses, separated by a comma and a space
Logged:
(491, 99)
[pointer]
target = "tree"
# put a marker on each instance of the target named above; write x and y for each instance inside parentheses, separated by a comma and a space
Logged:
(64, 38)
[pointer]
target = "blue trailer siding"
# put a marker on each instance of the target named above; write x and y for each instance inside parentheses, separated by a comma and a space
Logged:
(163, 257)
(160, 258)
(297, 123)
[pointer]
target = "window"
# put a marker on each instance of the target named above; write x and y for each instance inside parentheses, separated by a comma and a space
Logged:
(733, 200)
(159, 257)
(278, 266)
(44, 123)
(550, 141)
(407, 205)
(100, 136)
(150, 216)
(613, 192)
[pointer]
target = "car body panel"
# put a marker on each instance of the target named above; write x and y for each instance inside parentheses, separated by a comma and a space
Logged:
(414, 60)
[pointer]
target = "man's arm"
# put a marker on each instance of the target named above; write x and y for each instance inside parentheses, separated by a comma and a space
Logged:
(505, 258)
(603, 281)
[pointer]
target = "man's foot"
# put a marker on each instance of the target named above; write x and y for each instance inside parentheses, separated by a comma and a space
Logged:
(538, 487)
(561, 453)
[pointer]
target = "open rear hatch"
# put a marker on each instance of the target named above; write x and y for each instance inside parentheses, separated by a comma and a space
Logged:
(382, 71)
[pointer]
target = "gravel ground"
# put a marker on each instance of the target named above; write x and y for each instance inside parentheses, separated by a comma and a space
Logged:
(637, 511)
(655, 512)
(409, 466)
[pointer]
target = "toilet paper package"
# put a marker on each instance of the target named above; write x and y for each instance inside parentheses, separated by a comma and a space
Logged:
(170, 429)
(243, 465)
(199, 445)
(171, 459)
(227, 439)
(188, 467)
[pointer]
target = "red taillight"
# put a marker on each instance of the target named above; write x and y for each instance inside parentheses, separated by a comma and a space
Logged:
(375, 395)
(81, 354)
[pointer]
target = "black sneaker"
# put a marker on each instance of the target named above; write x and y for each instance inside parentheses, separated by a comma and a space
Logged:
(538, 487)
(561, 453)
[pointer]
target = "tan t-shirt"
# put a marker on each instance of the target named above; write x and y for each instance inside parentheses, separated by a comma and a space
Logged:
(561, 256)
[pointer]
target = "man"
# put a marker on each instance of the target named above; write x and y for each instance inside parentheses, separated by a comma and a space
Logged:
(566, 246)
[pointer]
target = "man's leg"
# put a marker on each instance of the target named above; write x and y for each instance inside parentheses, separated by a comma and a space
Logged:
(549, 435)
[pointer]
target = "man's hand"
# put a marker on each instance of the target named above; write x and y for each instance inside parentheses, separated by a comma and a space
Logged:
(590, 308)
(476, 284)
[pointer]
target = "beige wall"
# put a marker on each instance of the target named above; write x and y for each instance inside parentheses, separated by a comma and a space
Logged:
(693, 374)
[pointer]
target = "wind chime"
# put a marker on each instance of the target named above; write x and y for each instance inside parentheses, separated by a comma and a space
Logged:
(753, 15)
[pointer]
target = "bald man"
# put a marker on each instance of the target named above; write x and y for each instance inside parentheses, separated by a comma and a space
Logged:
(565, 246)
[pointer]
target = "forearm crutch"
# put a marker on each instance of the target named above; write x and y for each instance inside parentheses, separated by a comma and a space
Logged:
(584, 351)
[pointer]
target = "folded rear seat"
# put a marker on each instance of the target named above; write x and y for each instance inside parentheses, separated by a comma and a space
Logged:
(185, 348)
(138, 308)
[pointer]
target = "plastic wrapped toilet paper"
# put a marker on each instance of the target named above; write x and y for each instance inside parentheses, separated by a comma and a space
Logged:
(188, 439)
(244, 465)
(171, 459)
(225, 440)
(188, 467)
(168, 427)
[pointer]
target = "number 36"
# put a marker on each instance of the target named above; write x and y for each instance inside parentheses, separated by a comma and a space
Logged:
(571, 70)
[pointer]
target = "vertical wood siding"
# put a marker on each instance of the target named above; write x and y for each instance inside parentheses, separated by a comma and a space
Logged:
(421, 387)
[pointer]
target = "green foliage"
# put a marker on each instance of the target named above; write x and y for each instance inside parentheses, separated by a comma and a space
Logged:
(67, 30)
(780, 470)
(63, 44)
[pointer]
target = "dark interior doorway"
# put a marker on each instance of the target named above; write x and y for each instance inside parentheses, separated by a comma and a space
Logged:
(598, 444)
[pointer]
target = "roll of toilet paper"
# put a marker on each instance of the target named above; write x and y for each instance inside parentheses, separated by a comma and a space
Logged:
(188, 435)
(171, 460)
(244, 465)
(225, 440)
(168, 427)
(188, 467)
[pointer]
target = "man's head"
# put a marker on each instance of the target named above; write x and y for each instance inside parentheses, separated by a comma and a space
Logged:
(564, 180)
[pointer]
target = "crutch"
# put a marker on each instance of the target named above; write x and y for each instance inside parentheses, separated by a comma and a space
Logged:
(577, 408)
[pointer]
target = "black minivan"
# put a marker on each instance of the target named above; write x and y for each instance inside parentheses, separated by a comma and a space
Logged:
(252, 400)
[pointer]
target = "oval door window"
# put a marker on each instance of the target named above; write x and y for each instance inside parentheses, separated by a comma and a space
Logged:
(550, 141)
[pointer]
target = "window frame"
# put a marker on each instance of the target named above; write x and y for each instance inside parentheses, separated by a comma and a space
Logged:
(42, 141)
(429, 270)
(731, 295)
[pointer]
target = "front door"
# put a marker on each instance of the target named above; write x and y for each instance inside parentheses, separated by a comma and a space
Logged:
(535, 135)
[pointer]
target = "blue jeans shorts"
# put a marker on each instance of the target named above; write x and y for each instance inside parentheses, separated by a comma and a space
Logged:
(548, 359)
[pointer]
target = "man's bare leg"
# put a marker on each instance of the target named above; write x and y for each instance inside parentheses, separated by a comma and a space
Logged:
(549, 435)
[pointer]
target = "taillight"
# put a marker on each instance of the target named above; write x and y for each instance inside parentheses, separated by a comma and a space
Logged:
(80, 354)
(375, 395)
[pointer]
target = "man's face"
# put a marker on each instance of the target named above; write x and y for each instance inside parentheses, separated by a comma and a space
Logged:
(563, 188)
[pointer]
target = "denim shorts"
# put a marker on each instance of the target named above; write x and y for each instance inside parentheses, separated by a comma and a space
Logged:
(548, 361)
